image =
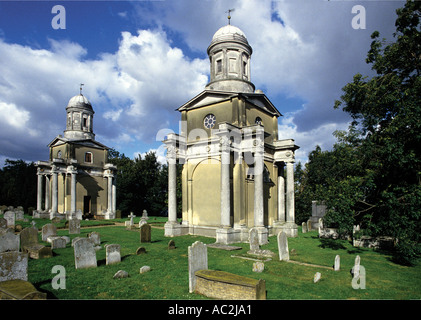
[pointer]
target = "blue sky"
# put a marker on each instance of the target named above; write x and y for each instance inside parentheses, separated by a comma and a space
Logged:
(140, 60)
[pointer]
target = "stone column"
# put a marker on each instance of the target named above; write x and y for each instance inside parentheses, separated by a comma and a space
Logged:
(258, 187)
(290, 203)
(54, 204)
(73, 172)
(114, 208)
(39, 191)
(172, 184)
(47, 193)
(225, 183)
(110, 192)
(281, 199)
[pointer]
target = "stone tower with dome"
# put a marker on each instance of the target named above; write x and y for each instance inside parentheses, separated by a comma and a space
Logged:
(76, 181)
(237, 173)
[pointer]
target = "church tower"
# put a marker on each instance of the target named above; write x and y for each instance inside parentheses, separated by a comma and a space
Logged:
(237, 174)
(77, 181)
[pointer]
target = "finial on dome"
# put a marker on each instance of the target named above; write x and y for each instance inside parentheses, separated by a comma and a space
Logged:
(81, 88)
(229, 15)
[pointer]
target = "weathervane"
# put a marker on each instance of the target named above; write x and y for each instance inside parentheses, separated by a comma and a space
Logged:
(81, 88)
(229, 15)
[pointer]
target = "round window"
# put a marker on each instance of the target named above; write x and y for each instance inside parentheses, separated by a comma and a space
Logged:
(209, 121)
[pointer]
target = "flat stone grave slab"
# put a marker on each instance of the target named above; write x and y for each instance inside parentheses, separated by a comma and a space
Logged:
(223, 247)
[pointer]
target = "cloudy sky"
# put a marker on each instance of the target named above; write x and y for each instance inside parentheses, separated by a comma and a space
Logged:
(140, 60)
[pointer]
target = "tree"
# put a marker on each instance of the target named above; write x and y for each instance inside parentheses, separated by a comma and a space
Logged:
(385, 134)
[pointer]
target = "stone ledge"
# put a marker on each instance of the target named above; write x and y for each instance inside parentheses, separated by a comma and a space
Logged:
(20, 290)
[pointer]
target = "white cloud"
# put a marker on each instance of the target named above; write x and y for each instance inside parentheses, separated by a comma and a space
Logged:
(12, 116)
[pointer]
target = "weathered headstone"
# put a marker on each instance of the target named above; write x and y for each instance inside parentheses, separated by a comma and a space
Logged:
(258, 266)
(337, 266)
(19, 214)
(304, 227)
(74, 226)
(121, 274)
(283, 246)
(3, 223)
(112, 254)
(95, 237)
(58, 243)
(317, 277)
(29, 244)
(198, 260)
(308, 225)
(85, 255)
(140, 250)
(9, 241)
(254, 239)
(130, 223)
(144, 218)
(13, 265)
(48, 230)
(145, 233)
(10, 218)
(171, 244)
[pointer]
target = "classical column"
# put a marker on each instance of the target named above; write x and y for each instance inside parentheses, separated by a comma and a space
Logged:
(281, 199)
(110, 192)
(73, 172)
(258, 186)
(172, 184)
(39, 190)
(114, 208)
(290, 200)
(47, 193)
(225, 183)
(54, 204)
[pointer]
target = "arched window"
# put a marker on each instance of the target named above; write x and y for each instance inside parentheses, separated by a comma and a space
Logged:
(88, 157)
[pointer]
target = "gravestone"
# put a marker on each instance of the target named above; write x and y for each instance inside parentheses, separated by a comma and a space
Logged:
(198, 260)
(171, 245)
(112, 254)
(130, 224)
(283, 246)
(95, 237)
(85, 255)
(254, 239)
(29, 244)
(317, 277)
(75, 239)
(48, 230)
(304, 227)
(141, 250)
(308, 225)
(9, 241)
(144, 269)
(144, 218)
(13, 265)
(19, 215)
(58, 243)
(10, 218)
(145, 233)
(74, 226)
(258, 266)
(356, 267)
(121, 274)
(337, 266)
(3, 223)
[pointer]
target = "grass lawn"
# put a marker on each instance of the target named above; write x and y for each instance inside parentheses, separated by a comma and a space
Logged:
(168, 278)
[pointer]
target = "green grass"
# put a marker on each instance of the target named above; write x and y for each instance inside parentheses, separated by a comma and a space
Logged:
(168, 278)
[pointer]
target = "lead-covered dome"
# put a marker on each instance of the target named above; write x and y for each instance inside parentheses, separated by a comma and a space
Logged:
(228, 33)
(79, 101)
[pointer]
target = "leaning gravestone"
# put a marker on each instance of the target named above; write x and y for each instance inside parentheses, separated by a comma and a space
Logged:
(198, 260)
(145, 233)
(10, 218)
(3, 223)
(112, 254)
(95, 237)
(283, 246)
(171, 245)
(58, 243)
(304, 227)
(85, 256)
(74, 226)
(9, 241)
(254, 239)
(29, 244)
(13, 265)
(48, 230)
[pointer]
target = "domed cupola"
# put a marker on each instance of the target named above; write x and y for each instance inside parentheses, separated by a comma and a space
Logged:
(79, 119)
(229, 54)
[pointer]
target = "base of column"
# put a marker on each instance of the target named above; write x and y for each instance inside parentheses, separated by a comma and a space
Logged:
(290, 228)
(262, 233)
(227, 235)
(109, 215)
(174, 229)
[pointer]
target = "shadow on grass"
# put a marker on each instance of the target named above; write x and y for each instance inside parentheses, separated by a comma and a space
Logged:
(331, 244)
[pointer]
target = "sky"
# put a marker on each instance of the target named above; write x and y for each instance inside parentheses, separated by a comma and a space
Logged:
(140, 60)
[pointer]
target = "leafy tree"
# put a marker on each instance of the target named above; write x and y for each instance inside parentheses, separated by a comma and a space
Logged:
(382, 186)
